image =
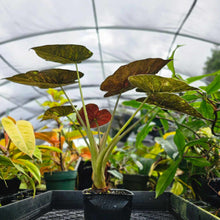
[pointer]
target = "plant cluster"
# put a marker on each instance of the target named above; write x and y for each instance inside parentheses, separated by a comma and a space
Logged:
(187, 147)
(171, 93)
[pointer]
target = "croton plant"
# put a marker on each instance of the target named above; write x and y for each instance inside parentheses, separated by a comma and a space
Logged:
(140, 74)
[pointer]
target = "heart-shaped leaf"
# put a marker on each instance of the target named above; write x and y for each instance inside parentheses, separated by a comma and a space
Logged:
(171, 102)
(57, 111)
(96, 117)
(63, 53)
(153, 83)
(118, 82)
(50, 78)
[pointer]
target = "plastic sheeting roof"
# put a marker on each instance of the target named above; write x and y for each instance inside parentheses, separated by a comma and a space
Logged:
(117, 32)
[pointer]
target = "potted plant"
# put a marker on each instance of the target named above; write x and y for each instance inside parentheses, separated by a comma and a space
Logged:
(18, 155)
(130, 167)
(60, 158)
(138, 74)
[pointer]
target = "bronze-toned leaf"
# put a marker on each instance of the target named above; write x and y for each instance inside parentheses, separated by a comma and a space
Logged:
(57, 111)
(63, 53)
(44, 79)
(118, 82)
(171, 102)
(153, 83)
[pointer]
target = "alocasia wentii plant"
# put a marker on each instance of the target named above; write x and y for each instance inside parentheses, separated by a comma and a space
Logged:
(140, 74)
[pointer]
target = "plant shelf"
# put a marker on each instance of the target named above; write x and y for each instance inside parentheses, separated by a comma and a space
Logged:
(69, 205)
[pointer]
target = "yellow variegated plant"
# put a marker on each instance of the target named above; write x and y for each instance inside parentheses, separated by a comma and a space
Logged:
(18, 151)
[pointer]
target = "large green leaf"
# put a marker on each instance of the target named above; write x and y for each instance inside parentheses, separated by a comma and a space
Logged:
(63, 53)
(21, 134)
(57, 111)
(118, 82)
(167, 177)
(153, 83)
(50, 78)
(171, 102)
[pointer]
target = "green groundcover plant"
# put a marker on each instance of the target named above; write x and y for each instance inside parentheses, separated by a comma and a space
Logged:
(139, 75)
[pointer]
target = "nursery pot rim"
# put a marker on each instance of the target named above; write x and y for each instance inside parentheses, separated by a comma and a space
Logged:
(56, 175)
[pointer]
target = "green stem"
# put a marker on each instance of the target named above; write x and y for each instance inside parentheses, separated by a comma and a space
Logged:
(77, 113)
(105, 152)
(129, 120)
(99, 133)
(77, 128)
(93, 146)
(103, 144)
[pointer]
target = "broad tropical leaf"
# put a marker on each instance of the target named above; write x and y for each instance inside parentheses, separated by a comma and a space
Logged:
(153, 83)
(118, 82)
(50, 78)
(63, 53)
(171, 102)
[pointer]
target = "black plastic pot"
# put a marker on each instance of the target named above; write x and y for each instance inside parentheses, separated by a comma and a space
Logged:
(11, 187)
(60, 180)
(115, 205)
(207, 190)
(84, 179)
(135, 182)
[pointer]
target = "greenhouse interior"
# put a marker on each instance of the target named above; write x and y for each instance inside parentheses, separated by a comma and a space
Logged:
(110, 109)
